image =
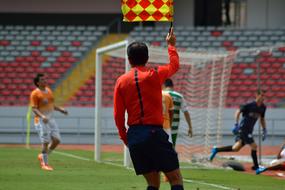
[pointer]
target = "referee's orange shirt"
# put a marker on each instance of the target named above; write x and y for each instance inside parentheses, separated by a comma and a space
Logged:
(139, 93)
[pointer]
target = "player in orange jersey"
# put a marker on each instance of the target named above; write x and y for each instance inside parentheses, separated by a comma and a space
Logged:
(167, 110)
(42, 103)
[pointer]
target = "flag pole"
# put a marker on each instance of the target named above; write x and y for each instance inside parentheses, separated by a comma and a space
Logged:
(171, 25)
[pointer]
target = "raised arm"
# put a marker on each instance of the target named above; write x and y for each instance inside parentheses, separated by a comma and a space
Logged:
(168, 70)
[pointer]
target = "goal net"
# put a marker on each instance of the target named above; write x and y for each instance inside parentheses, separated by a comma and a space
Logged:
(202, 78)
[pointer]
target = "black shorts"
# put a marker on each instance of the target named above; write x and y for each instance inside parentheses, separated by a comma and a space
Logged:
(150, 149)
(246, 138)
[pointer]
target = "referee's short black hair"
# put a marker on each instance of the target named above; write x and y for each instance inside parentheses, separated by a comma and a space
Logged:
(168, 83)
(137, 53)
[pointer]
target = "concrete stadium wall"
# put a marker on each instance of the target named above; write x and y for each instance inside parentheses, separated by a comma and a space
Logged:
(60, 6)
(265, 13)
(260, 13)
(78, 126)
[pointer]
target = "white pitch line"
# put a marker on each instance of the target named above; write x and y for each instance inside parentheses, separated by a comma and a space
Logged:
(72, 156)
(118, 165)
(209, 184)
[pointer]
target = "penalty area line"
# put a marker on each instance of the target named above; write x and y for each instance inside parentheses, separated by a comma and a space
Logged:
(118, 165)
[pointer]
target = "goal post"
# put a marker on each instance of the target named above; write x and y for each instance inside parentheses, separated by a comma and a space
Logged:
(202, 78)
(98, 97)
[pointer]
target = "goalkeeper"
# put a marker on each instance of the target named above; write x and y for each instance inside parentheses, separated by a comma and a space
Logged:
(251, 112)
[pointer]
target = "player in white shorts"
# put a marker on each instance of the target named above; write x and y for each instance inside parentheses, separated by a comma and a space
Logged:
(278, 163)
(42, 103)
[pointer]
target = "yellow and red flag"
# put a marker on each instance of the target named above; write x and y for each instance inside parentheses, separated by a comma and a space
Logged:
(147, 10)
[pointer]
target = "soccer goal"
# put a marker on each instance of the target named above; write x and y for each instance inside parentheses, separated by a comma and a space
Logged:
(202, 78)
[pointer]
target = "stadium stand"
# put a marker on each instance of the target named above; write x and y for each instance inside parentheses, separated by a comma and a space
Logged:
(244, 77)
(25, 50)
(243, 81)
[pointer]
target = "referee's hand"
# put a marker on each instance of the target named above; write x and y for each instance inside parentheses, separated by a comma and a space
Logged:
(170, 38)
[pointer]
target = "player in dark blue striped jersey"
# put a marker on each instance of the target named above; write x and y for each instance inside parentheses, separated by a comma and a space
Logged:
(251, 112)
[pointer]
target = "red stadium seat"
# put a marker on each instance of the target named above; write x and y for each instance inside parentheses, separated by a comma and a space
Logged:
(270, 70)
(276, 76)
(14, 64)
(265, 54)
(35, 53)
(280, 95)
(2, 75)
(66, 65)
(281, 60)
(7, 81)
(50, 70)
(66, 54)
(248, 82)
(6, 92)
(28, 81)
(264, 76)
(20, 59)
(253, 77)
(216, 33)
(35, 43)
(17, 81)
(30, 59)
(276, 65)
(56, 64)
(234, 94)
(51, 81)
(237, 71)
(9, 69)
(51, 48)
(71, 60)
(12, 87)
(282, 49)
(54, 75)
(16, 93)
(61, 70)
(41, 59)
(30, 70)
(5, 42)
(11, 75)
(265, 65)
(35, 64)
(20, 70)
(227, 43)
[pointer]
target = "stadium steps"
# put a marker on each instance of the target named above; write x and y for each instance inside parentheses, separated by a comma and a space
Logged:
(83, 71)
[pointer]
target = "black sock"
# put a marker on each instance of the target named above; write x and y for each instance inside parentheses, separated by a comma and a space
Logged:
(151, 188)
(254, 158)
(177, 187)
(225, 149)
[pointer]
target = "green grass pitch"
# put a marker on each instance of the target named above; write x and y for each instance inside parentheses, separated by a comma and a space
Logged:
(19, 170)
